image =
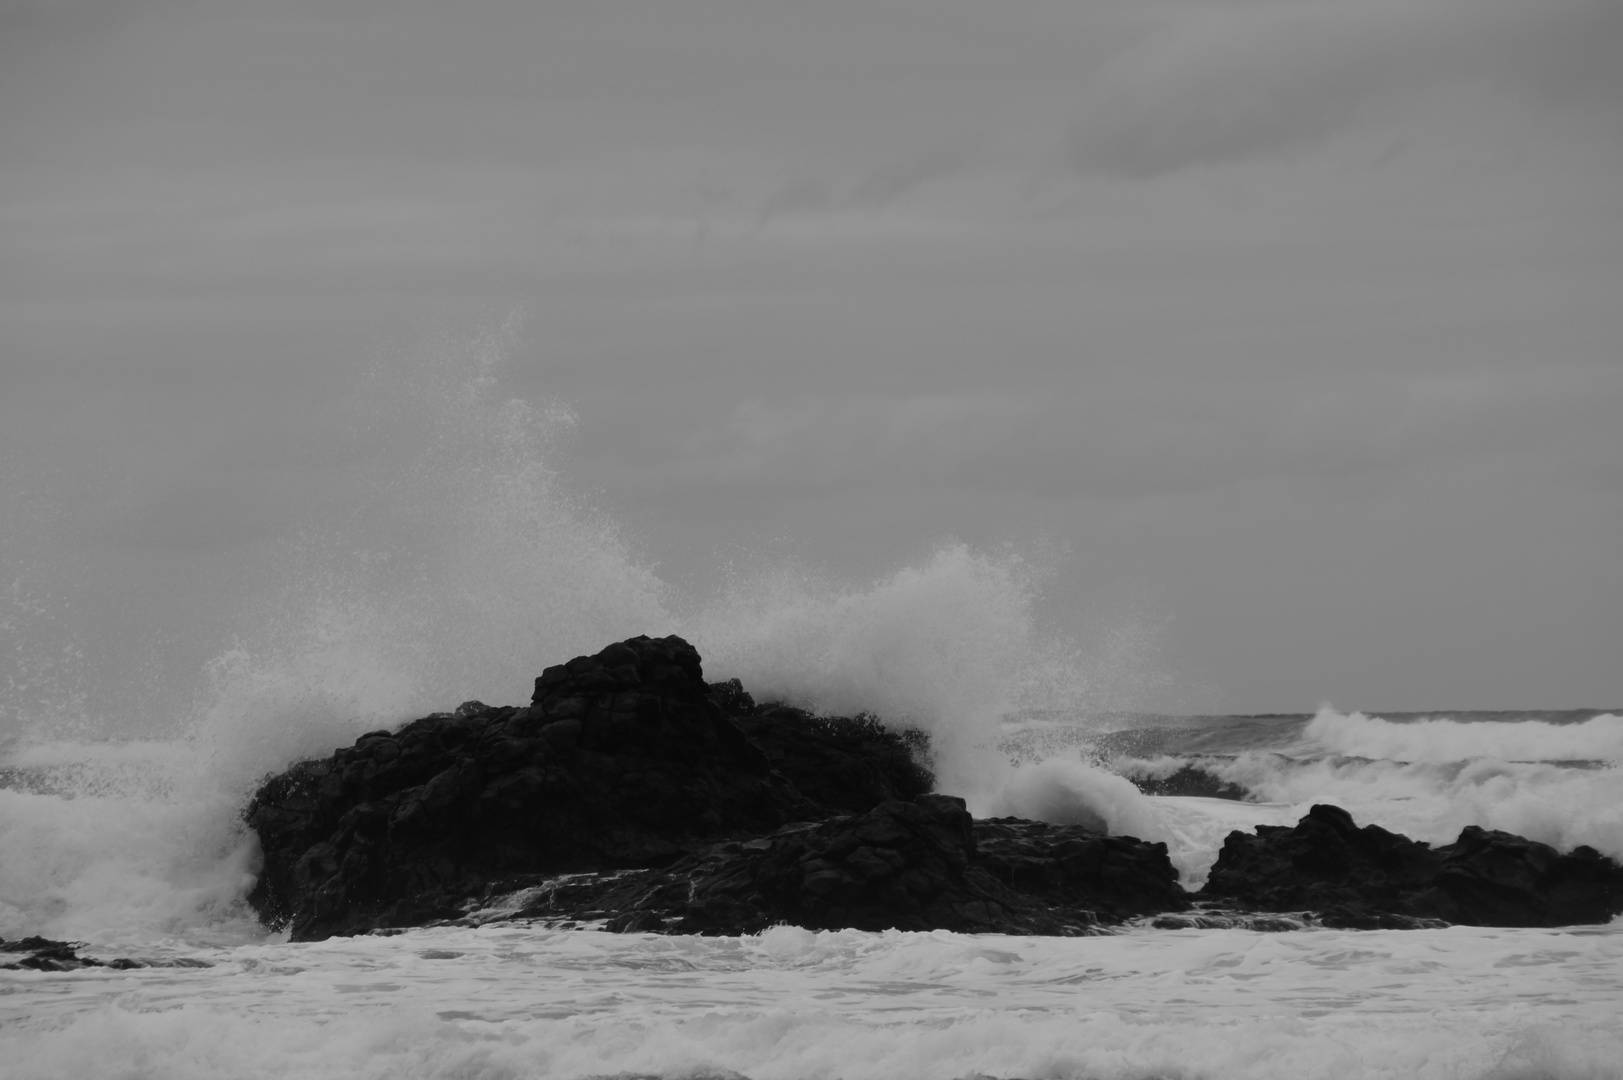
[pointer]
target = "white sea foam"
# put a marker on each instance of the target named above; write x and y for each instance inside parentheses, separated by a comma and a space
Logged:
(1069, 791)
(950, 646)
(791, 1004)
(1599, 738)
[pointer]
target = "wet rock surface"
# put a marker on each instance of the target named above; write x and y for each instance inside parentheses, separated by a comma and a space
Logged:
(1369, 878)
(44, 954)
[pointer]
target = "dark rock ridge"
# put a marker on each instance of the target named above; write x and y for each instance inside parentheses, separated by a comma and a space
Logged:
(919, 865)
(633, 794)
(1370, 878)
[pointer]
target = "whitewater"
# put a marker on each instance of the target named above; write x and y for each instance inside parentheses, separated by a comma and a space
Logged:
(456, 563)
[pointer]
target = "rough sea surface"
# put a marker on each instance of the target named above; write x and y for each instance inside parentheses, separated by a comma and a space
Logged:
(458, 565)
(529, 1000)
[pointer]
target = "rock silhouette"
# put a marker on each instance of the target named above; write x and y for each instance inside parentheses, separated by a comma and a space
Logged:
(632, 794)
(621, 760)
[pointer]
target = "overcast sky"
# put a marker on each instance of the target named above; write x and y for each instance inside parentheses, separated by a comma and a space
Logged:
(1296, 324)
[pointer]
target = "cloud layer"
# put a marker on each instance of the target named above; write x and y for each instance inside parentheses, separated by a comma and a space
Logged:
(1283, 315)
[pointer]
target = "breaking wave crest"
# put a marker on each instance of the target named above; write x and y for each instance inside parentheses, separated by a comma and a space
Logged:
(1599, 738)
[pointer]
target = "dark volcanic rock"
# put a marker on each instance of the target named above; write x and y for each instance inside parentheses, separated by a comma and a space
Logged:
(903, 865)
(622, 760)
(1071, 867)
(1367, 878)
(847, 764)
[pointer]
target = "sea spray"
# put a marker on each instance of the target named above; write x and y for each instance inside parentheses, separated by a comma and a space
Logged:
(444, 563)
(444, 559)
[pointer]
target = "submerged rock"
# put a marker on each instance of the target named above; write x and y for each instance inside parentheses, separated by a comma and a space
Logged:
(44, 954)
(1369, 878)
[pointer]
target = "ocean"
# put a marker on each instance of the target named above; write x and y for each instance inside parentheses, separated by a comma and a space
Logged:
(461, 565)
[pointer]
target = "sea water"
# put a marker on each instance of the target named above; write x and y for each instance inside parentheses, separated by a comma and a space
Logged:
(462, 564)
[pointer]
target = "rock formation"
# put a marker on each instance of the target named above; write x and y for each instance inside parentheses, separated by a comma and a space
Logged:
(632, 794)
(733, 815)
(621, 760)
(1369, 877)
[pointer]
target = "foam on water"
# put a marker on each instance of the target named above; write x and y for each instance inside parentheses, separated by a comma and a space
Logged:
(790, 1004)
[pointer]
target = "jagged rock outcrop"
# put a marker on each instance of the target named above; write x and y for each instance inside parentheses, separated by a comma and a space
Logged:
(1369, 877)
(621, 760)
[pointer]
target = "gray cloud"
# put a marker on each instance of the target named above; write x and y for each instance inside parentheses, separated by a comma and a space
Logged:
(814, 270)
(1241, 80)
(1138, 439)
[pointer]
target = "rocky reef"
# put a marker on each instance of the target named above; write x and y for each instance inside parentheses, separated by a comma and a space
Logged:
(1369, 877)
(632, 794)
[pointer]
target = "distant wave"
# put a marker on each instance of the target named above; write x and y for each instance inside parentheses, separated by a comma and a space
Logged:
(1599, 738)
